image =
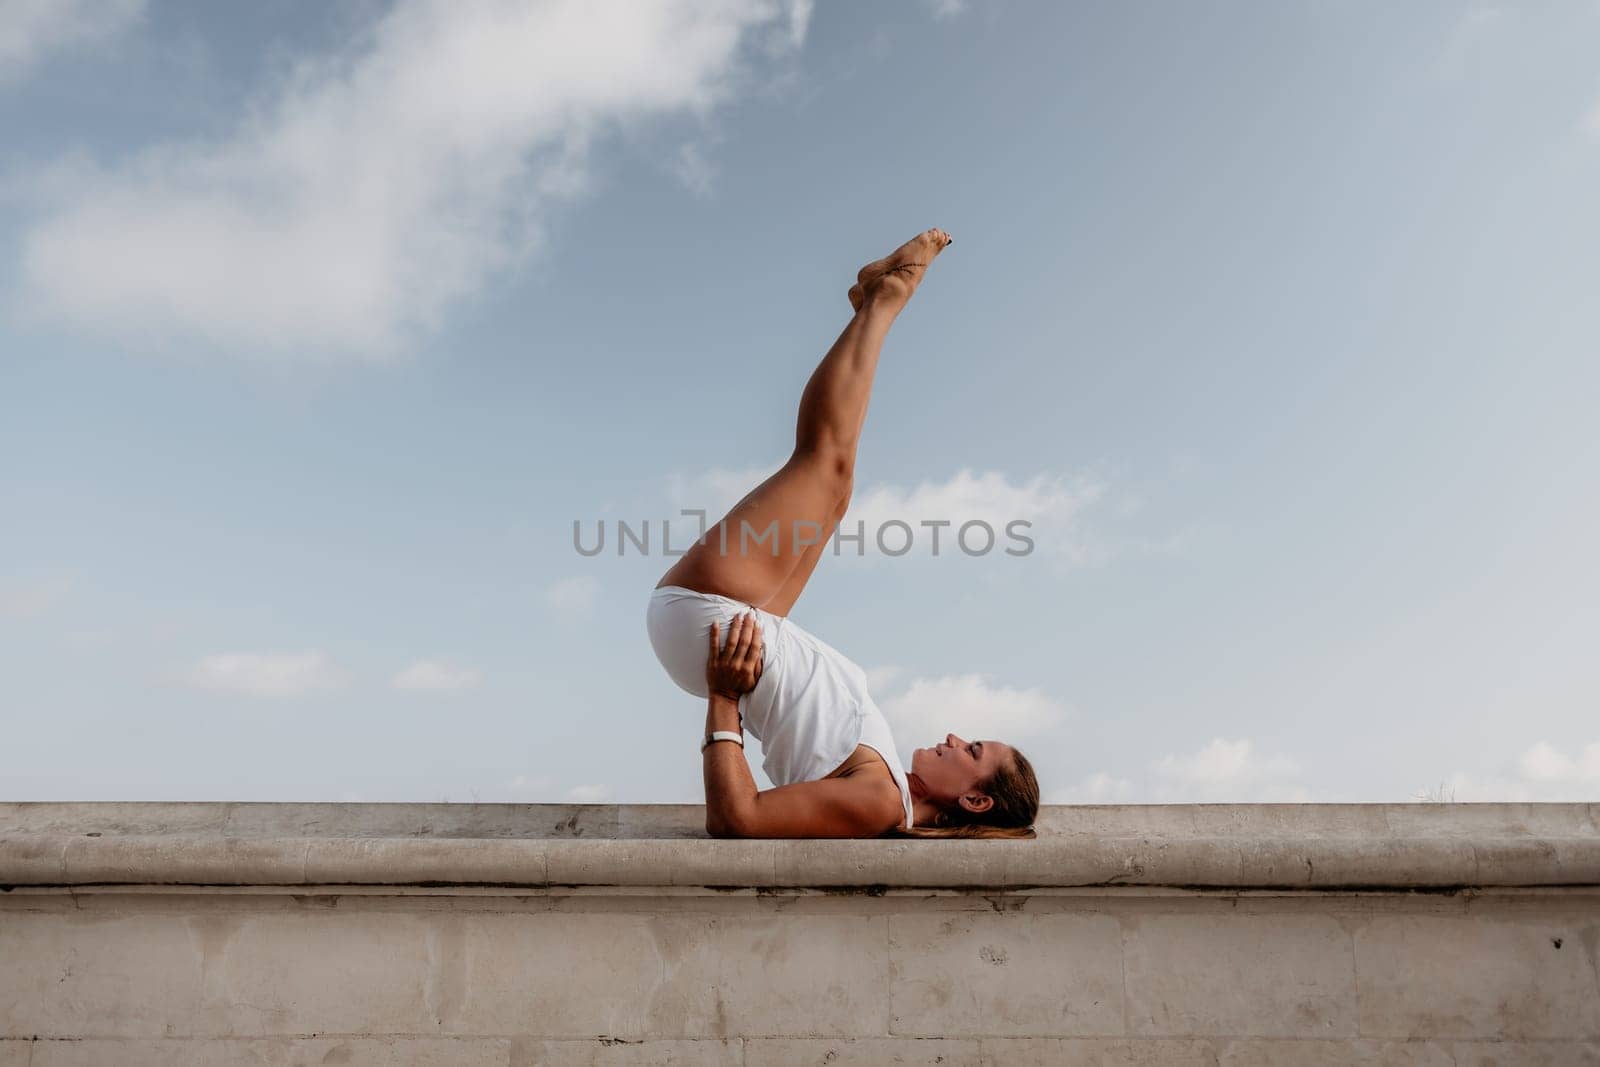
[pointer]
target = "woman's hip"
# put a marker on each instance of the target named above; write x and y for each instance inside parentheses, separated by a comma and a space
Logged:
(679, 623)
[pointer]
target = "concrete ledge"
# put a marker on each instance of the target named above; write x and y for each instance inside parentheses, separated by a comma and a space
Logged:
(228, 935)
(790, 1052)
(540, 847)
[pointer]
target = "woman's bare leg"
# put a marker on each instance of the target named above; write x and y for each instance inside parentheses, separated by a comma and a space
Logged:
(752, 553)
(782, 601)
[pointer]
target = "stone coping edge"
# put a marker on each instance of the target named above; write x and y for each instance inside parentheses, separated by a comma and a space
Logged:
(1261, 861)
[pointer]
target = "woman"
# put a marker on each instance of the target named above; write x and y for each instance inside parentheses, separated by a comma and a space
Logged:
(825, 743)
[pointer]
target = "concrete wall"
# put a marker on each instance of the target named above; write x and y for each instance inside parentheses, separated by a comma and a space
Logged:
(665, 947)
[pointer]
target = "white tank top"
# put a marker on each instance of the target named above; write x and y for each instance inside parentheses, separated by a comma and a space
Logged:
(811, 707)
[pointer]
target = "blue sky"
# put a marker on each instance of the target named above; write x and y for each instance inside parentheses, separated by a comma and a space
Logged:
(320, 325)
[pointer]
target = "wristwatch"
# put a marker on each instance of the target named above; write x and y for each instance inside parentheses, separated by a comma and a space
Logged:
(722, 735)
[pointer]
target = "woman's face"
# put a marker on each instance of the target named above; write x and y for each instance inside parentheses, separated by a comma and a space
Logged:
(955, 769)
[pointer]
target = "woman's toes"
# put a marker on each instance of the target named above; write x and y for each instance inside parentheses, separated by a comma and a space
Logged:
(900, 271)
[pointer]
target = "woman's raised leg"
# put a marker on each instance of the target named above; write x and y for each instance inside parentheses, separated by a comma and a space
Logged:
(751, 554)
(782, 602)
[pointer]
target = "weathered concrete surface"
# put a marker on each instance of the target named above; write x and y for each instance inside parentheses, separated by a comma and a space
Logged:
(1292, 846)
(435, 934)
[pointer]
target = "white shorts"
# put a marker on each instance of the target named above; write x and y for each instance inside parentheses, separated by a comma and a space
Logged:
(679, 621)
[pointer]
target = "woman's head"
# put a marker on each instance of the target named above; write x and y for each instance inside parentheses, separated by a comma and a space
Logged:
(975, 783)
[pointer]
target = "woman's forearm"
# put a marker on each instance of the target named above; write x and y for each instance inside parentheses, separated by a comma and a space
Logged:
(730, 788)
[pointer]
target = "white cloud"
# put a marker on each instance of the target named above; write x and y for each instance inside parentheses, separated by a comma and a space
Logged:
(589, 794)
(691, 167)
(1050, 503)
(946, 9)
(932, 513)
(1236, 771)
(379, 186)
(264, 674)
(714, 491)
(30, 30)
(1223, 763)
(1098, 788)
(881, 679)
(969, 705)
(1541, 773)
(791, 33)
(573, 596)
(435, 676)
(1220, 771)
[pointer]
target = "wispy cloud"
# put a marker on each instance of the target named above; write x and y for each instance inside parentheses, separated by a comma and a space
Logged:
(971, 705)
(1098, 788)
(261, 674)
(1542, 772)
(693, 168)
(435, 676)
(32, 30)
(928, 519)
(1223, 764)
(589, 794)
(1546, 763)
(1221, 771)
(881, 679)
(1050, 504)
(380, 185)
(716, 489)
(946, 9)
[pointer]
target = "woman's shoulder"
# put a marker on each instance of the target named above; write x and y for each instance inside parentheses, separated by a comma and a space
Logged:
(864, 762)
(867, 769)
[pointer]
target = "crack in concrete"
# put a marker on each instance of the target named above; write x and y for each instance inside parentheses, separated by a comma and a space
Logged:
(1122, 958)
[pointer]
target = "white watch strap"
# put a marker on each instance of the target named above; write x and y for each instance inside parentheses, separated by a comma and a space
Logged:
(722, 735)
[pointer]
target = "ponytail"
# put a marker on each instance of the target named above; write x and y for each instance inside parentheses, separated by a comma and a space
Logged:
(971, 829)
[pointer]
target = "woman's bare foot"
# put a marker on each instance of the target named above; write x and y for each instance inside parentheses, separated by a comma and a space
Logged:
(896, 276)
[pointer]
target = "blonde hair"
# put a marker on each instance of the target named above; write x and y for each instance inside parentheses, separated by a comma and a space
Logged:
(1015, 790)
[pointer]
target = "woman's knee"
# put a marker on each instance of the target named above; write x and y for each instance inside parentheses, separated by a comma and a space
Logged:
(843, 504)
(834, 464)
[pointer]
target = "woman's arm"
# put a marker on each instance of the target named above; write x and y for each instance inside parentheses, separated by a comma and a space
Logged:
(731, 670)
(833, 807)
(729, 786)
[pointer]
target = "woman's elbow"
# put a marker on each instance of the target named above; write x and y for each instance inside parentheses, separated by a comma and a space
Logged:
(727, 824)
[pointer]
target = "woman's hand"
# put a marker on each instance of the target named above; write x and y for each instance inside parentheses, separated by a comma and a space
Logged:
(735, 667)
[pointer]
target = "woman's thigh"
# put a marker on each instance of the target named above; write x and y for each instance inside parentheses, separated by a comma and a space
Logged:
(750, 553)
